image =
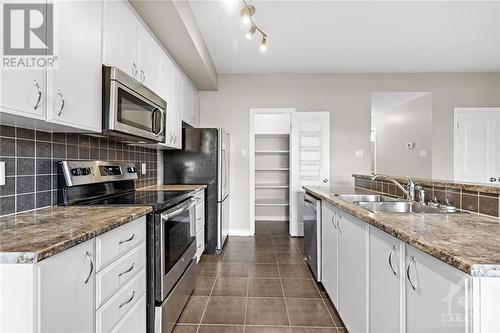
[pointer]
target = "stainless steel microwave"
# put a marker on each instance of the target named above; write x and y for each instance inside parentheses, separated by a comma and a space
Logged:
(130, 109)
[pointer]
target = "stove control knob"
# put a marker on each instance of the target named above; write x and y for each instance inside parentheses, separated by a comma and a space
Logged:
(132, 169)
(86, 171)
(76, 172)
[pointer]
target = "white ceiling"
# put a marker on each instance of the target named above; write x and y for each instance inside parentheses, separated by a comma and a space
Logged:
(388, 101)
(354, 36)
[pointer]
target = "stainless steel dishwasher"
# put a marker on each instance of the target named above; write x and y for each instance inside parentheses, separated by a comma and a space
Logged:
(311, 217)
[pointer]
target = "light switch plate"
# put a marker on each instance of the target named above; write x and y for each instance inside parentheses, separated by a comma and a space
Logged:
(2, 173)
(143, 168)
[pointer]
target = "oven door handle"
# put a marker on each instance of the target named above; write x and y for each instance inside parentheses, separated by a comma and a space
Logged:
(189, 205)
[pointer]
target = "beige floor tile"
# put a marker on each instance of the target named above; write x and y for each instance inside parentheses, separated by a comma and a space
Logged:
(231, 286)
(194, 310)
(308, 312)
(266, 311)
(225, 311)
(288, 271)
(261, 287)
(300, 288)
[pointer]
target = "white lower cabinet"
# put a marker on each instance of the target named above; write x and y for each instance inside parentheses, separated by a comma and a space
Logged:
(352, 272)
(66, 290)
(329, 251)
(200, 224)
(386, 283)
(380, 284)
(437, 295)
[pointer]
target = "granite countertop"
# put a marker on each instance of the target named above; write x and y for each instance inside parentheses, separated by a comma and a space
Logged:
(33, 236)
(468, 242)
(176, 187)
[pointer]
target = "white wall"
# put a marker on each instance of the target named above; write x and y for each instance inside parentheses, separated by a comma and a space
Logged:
(409, 122)
(348, 96)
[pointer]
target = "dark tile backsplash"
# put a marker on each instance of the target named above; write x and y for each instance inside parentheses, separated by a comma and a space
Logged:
(476, 202)
(31, 163)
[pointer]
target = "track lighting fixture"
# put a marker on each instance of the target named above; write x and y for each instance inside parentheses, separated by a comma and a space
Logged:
(251, 31)
(247, 13)
(263, 44)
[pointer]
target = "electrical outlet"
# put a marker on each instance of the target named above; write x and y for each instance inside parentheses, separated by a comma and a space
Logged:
(359, 153)
(2, 173)
(143, 168)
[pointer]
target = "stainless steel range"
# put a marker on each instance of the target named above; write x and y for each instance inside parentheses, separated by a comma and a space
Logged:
(171, 246)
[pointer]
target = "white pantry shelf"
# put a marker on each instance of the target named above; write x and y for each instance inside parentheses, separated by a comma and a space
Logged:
(262, 152)
(270, 185)
(272, 202)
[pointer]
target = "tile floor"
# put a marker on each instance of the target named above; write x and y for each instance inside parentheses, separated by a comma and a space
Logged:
(258, 285)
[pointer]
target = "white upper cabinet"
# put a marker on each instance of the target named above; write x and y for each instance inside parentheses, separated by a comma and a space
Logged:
(437, 296)
(74, 97)
(177, 108)
(187, 102)
(22, 91)
(386, 282)
(149, 58)
(121, 37)
(66, 290)
(196, 108)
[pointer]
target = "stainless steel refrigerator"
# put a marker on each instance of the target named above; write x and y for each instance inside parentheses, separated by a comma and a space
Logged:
(204, 159)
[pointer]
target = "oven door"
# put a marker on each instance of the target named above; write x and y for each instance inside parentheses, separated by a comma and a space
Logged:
(177, 245)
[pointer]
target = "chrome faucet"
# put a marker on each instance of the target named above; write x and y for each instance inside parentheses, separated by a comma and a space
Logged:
(410, 193)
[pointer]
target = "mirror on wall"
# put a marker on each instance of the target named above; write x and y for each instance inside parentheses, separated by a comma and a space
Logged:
(401, 133)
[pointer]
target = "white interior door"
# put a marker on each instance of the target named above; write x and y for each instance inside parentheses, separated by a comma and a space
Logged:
(477, 138)
(311, 156)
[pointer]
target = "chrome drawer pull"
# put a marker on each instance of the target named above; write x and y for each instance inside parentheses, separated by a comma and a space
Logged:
(412, 262)
(39, 95)
(390, 260)
(128, 301)
(91, 263)
(59, 93)
(126, 240)
(128, 270)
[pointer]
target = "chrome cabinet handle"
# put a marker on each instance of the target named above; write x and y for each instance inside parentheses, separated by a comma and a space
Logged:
(175, 138)
(62, 102)
(390, 260)
(325, 180)
(412, 262)
(171, 137)
(91, 263)
(333, 223)
(128, 270)
(143, 76)
(338, 222)
(134, 69)
(128, 301)
(39, 95)
(492, 179)
(126, 240)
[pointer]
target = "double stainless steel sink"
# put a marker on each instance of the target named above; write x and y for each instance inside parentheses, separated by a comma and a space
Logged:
(377, 203)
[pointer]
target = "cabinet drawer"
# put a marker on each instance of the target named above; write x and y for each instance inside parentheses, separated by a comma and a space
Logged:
(113, 277)
(121, 303)
(200, 243)
(135, 320)
(115, 243)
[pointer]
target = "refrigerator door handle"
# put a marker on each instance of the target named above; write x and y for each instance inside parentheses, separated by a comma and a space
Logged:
(224, 184)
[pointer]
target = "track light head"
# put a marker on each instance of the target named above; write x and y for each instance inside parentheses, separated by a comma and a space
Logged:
(246, 13)
(251, 31)
(263, 44)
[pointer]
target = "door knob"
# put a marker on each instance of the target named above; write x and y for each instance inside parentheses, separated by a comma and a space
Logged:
(325, 180)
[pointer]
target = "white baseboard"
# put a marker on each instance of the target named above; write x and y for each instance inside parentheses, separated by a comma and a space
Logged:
(239, 232)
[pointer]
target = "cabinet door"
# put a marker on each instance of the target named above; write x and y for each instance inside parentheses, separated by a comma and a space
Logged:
(386, 283)
(352, 272)
(22, 91)
(74, 88)
(187, 102)
(196, 108)
(329, 250)
(66, 291)
(120, 36)
(166, 92)
(178, 107)
(149, 55)
(436, 295)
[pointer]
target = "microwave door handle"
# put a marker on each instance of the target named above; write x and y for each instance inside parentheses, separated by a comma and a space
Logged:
(154, 130)
(168, 216)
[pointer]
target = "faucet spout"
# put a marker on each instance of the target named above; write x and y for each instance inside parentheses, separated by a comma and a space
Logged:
(410, 194)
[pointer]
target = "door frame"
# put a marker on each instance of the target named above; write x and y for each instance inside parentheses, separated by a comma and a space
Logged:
(251, 160)
(456, 112)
